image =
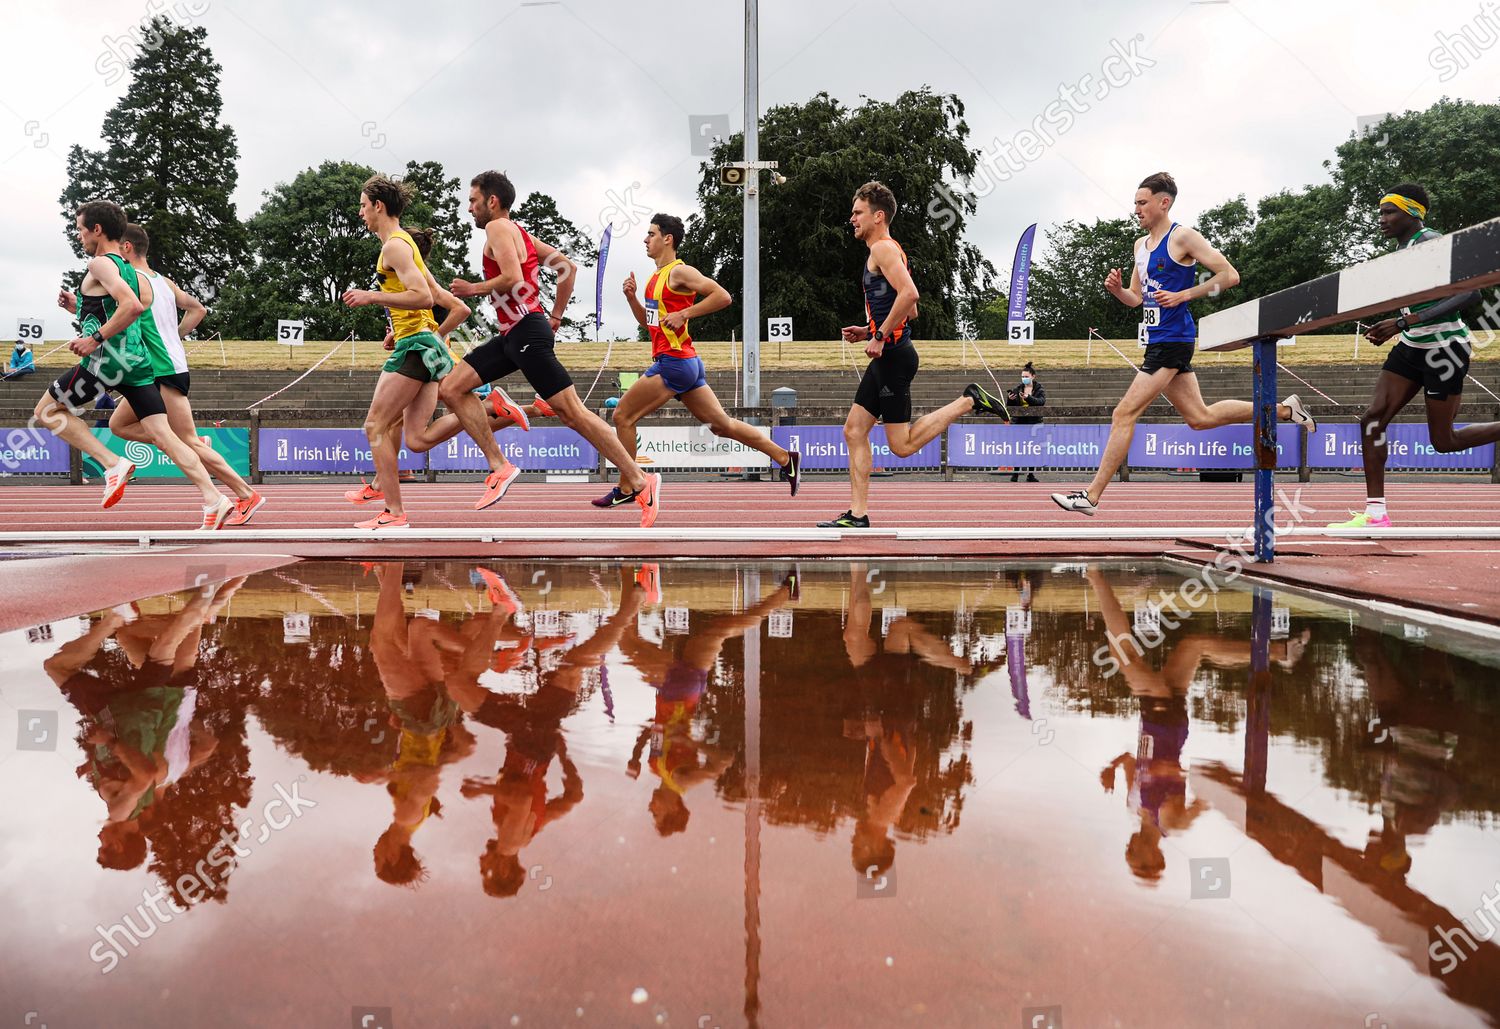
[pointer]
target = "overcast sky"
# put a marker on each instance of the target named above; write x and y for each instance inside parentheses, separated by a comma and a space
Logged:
(584, 99)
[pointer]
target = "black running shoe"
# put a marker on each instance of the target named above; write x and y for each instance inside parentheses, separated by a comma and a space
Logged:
(846, 521)
(614, 498)
(987, 402)
(792, 473)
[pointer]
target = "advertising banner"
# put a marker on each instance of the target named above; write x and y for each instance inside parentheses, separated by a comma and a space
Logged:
(823, 448)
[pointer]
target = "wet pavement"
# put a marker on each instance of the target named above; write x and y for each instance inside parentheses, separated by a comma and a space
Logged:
(436, 793)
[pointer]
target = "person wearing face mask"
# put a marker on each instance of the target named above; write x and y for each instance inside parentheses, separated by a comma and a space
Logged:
(1022, 400)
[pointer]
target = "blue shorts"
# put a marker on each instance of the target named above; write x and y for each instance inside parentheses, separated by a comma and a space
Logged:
(681, 374)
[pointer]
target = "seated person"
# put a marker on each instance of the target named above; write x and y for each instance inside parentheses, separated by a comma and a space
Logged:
(21, 362)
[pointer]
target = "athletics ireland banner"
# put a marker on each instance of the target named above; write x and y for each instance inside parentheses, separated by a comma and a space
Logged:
(233, 444)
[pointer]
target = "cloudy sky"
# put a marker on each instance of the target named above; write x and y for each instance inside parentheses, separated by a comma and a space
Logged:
(590, 100)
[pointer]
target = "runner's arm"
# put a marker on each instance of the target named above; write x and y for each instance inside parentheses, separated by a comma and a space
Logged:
(500, 241)
(1206, 254)
(557, 262)
(636, 307)
(1112, 282)
(1443, 308)
(397, 257)
(713, 297)
(193, 311)
(128, 306)
(458, 311)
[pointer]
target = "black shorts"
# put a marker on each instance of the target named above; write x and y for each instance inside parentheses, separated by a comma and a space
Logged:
(180, 381)
(79, 388)
(1440, 370)
(528, 347)
(1169, 355)
(885, 390)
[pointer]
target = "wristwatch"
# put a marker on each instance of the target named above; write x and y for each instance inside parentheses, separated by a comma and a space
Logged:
(1402, 324)
(880, 336)
(97, 336)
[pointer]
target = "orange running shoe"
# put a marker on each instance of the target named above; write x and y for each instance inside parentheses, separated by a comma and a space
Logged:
(505, 407)
(364, 495)
(384, 521)
(495, 485)
(650, 500)
(114, 482)
(543, 408)
(216, 516)
(648, 578)
(245, 509)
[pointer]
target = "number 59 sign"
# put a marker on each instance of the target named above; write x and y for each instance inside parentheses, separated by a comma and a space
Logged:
(29, 330)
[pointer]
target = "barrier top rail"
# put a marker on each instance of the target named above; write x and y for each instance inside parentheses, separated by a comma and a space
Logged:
(1457, 262)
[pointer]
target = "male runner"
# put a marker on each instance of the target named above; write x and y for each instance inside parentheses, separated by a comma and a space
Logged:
(525, 342)
(169, 362)
(884, 393)
(677, 371)
(1432, 356)
(115, 355)
(420, 358)
(1162, 285)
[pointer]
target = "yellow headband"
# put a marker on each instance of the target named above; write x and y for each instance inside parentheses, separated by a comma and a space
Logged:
(1406, 204)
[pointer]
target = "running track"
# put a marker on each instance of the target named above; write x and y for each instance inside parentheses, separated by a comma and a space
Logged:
(1457, 574)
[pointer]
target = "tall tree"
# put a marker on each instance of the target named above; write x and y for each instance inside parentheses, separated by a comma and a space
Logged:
(1067, 295)
(538, 215)
(917, 145)
(169, 160)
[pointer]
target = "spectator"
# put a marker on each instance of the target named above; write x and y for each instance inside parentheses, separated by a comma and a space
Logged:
(21, 362)
(1028, 395)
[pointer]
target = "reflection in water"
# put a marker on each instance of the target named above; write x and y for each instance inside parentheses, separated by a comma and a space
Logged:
(848, 705)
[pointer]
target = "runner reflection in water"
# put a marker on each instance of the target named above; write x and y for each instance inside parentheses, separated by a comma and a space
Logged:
(1416, 727)
(139, 732)
(533, 737)
(1159, 676)
(680, 760)
(430, 671)
(892, 706)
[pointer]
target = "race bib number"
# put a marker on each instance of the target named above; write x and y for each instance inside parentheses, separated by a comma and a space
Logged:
(1151, 316)
(653, 319)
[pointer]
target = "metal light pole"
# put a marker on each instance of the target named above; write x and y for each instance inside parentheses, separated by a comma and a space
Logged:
(750, 366)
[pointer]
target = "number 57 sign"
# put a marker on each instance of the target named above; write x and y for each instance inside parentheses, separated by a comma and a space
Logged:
(289, 332)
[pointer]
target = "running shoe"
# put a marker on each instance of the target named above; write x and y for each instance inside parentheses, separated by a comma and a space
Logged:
(505, 407)
(648, 578)
(215, 516)
(364, 495)
(793, 583)
(543, 409)
(384, 522)
(650, 500)
(1078, 501)
(616, 497)
(986, 402)
(495, 485)
(1362, 520)
(114, 482)
(245, 509)
(500, 593)
(792, 473)
(1299, 413)
(846, 521)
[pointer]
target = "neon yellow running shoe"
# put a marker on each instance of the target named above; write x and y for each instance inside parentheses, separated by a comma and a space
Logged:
(1362, 520)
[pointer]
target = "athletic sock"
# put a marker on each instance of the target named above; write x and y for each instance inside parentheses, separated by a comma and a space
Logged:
(1375, 507)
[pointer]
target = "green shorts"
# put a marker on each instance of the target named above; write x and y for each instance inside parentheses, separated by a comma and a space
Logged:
(421, 356)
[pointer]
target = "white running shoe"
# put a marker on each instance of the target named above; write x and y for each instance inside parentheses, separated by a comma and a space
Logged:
(214, 518)
(1299, 413)
(1078, 501)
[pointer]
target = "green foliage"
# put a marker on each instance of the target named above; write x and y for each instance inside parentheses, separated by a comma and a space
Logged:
(170, 161)
(310, 246)
(810, 261)
(1067, 296)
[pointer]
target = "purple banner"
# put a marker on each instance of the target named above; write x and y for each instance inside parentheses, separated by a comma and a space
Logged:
(31, 452)
(1020, 275)
(324, 450)
(599, 281)
(542, 449)
(1176, 446)
(1026, 446)
(823, 448)
(1337, 445)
